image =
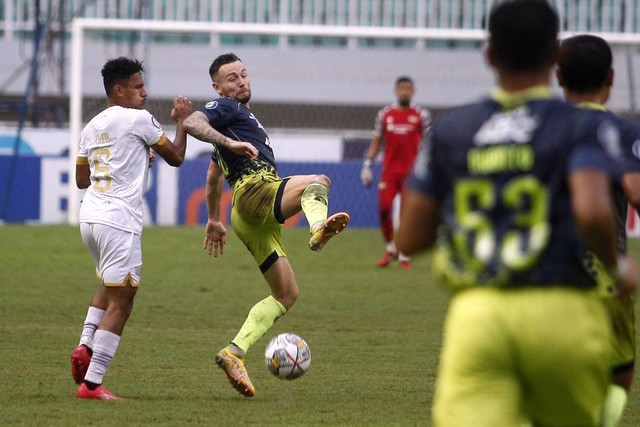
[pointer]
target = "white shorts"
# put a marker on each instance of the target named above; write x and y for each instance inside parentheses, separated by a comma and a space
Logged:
(117, 254)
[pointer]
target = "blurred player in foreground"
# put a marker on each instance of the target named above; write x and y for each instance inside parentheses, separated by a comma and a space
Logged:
(112, 164)
(586, 75)
(400, 126)
(521, 184)
(262, 201)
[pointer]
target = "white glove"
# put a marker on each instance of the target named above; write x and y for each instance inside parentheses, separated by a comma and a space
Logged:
(366, 175)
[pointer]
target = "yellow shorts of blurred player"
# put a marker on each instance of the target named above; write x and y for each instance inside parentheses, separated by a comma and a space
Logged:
(623, 339)
(621, 312)
(517, 356)
(256, 216)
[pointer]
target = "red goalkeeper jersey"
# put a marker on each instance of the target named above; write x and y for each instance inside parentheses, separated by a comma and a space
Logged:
(401, 131)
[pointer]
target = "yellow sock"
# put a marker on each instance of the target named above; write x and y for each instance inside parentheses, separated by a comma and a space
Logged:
(614, 405)
(315, 203)
(260, 319)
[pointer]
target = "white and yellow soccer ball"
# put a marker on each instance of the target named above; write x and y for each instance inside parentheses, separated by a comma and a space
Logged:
(287, 356)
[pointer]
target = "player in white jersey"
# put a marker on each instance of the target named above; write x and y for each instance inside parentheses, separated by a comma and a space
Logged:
(112, 164)
(118, 140)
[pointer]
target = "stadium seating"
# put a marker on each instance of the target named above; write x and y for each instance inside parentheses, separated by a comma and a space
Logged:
(17, 18)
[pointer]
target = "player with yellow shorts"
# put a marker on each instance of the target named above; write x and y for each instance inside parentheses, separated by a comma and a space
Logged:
(621, 315)
(262, 201)
(510, 356)
(512, 190)
(585, 73)
(256, 218)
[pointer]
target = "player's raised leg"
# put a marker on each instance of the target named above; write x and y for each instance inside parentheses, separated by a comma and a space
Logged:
(311, 194)
(327, 229)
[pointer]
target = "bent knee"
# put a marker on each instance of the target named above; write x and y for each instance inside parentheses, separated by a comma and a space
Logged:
(288, 298)
(321, 179)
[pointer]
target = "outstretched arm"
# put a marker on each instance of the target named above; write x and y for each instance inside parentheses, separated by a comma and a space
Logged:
(215, 234)
(198, 126)
(173, 151)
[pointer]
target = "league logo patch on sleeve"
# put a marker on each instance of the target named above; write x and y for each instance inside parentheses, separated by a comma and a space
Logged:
(635, 148)
(211, 105)
(155, 122)
(609, 137)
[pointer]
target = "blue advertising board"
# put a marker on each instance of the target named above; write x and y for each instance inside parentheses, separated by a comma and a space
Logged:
(38, 189)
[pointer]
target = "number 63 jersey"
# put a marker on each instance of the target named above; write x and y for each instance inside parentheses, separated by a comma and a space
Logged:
(499, 169)
(115, 143)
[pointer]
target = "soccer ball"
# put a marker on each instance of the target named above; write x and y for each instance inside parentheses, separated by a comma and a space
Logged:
(287, 356)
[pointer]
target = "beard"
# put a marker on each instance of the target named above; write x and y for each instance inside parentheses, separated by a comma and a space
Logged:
(404, 102)
(244, 97)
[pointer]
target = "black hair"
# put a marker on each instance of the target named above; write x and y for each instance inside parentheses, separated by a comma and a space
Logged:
(403, 79)
(117, 71)
(584, 63)
(523, 35)
(224, 59)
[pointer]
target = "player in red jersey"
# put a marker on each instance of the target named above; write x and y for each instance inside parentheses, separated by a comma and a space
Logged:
(400, 126)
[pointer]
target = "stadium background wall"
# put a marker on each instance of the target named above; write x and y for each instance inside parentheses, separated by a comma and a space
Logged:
(175, 196)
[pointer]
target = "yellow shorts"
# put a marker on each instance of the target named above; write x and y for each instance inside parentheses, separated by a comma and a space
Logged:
(623, 339)
(516, 356)
(256, 216)
(621, 312)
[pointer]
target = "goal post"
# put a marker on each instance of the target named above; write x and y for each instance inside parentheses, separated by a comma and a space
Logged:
(211, 32)
(81, 26)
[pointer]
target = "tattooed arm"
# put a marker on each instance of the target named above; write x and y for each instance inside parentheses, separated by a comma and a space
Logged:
(198, 126)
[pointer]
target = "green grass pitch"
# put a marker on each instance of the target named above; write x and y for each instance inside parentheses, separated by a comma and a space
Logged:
(374, 334)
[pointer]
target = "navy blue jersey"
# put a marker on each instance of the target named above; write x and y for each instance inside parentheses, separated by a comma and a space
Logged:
(630, 140)
(629, 163)
(501, 176)
(234, 120)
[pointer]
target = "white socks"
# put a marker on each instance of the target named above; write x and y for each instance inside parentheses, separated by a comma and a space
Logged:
(104, 348)
(391, 248)
(91, 323)
(403, 257)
